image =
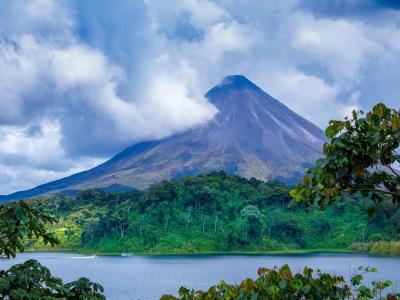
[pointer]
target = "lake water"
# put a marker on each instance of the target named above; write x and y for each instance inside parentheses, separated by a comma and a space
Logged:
(148, 277)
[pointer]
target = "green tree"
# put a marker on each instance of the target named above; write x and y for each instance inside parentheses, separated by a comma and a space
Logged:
(254, 220)
(31, 280)
(361, 157)
(18, 221)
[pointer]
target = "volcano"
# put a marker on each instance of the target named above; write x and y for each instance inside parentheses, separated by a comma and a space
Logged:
(252, 135)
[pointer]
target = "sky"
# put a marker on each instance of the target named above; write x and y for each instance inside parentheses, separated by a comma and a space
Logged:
(82, 80)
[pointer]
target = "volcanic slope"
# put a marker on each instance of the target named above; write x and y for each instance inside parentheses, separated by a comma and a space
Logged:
(252, 135)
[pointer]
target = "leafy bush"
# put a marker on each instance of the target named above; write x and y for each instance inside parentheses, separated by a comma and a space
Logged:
(274, 284)
(31, 280)
(360, 158)
(18, 221)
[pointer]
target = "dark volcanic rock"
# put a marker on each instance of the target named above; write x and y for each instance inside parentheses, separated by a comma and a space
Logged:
(253, 135)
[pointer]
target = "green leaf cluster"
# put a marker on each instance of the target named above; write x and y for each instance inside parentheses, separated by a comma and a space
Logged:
(31, 280)
(279, 284)
(361, 157)
(18, 221)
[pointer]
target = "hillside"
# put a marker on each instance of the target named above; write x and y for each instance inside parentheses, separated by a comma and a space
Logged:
(213, 212)
(253, 135)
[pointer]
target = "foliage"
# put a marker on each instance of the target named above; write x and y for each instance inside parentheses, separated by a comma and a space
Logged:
(274, 284)
(360, 158)
(19, 220)
(83, 288)
(212, 212)
(31, 280)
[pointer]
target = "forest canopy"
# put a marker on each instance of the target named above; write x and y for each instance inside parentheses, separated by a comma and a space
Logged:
(213, 212)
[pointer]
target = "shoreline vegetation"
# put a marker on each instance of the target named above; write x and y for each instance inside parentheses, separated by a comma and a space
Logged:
(378, 248)
(386, 248)
(253, 253)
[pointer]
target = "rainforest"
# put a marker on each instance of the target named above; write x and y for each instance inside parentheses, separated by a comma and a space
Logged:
(214, 212)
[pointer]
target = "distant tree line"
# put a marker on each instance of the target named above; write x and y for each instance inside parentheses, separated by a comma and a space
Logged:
(213, 212)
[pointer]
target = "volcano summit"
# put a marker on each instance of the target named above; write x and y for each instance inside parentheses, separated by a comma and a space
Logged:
(252, 135)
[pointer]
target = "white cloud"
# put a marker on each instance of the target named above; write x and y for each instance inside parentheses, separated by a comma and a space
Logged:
(200, 13)
(226, 37)
(340, 45)
(45, 18)
(309, 96)
(184, 113)
(203, 13)
(32, 155)
(40, 148)
(21, 177)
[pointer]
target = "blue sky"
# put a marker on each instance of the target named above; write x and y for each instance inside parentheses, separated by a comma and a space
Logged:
(81, 80)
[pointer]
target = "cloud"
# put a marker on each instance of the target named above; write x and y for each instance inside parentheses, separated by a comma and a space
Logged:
(300, 92)
(38, 147)
(339, 45)
(30, 155)
(21, 177)
(198, 14)
(41, 18)
(85, 79)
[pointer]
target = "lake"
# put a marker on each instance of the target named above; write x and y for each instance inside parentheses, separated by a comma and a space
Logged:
(148, 277)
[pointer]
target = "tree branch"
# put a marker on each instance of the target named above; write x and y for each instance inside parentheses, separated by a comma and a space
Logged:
(390, 168)
(394, 171)
(379, 191)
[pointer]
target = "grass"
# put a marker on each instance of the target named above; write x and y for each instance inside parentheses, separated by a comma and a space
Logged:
(378, 248)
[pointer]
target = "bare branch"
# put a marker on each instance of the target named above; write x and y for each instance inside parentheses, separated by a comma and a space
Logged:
(379, 191)
(394, 171)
